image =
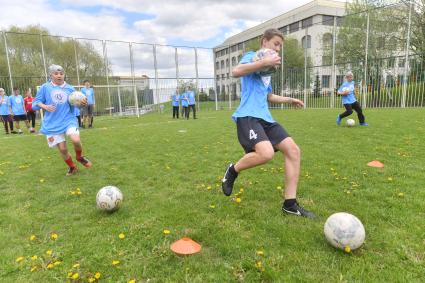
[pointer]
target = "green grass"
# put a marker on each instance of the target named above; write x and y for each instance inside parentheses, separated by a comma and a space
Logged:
(169, 171)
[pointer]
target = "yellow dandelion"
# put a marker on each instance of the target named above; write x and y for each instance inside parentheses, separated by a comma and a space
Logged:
(132, 281)
(91, 280)
(56, 263)
(258, 264)
(54, 236)
(279, 188)
(49, 252)
(209, 188)
(19, 259)
(33, 237)
(238, 200)
(72, 193)
(41, 180)
(75, 276)
(97, 275)
(78, 189)
(78, 192)
(34, 268)
(260, 253)
(166, 232)
(115, 262)
(34, 257)
(77, 265)
(50, 266)
(347, 249)
(212, 206)
(401, 195)
(241, 190)
(121, 236)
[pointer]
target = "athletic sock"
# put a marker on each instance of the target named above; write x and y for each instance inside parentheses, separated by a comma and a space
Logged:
(78, 154)
(289, 202)
(232, 170)
(70, 162)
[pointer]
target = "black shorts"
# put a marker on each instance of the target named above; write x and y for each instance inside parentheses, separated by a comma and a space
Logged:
(254, 130)
(22, 117)
(87, 110)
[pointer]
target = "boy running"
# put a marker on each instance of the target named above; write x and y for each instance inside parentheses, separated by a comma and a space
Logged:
(258, 133)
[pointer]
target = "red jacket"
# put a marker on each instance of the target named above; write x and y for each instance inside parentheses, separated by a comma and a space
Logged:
(28, 104)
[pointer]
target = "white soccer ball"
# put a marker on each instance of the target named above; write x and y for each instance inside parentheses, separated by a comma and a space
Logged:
(261, 54)
(76, 98)
(350, 122)
(344, 230)
(109, 198)
(345, 89)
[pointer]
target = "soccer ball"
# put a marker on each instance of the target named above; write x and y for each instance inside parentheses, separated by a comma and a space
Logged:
(344, 230)
(262, 53)
(76, 98)
(350, 122)
(345, 89)
(109, 198)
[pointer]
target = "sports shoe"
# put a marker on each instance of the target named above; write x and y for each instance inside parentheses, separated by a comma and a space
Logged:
(338, 120)
(298, 210)
(14, 132)
(228, 180)
(71, 171)
(364, 124)
(83, 160)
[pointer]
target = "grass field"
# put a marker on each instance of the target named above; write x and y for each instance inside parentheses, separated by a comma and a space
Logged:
(169, 172)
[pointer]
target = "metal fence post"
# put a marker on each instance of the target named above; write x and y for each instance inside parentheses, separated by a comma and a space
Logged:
(136, 100)
(305, 68)
(197, 77)
(105, 59)
(406, 59)
(43, 56)
(365, 89)
(156, 76)
(6, 49)
(76, 61)
(333, 65)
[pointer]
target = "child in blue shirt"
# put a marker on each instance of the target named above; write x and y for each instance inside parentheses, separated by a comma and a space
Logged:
(258, 133)
(175, 100)
(191, 101)
(59, 119)
(87, 111)
(185, 104)
(17, 104)
(5, 116)
(346, 90)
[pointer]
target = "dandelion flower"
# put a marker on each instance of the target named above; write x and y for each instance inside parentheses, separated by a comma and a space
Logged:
(56, 263)
(34, 268)
(401, 195)
(260, 253)
(132, 281)
(212, 206)
(91, 280)
(49, 252)
(33, 237)
(54, 236)
(34, 257)
(19, 259)
(41, 180)
(77, 265)
(347, 249)
(75, 276)
(238, 200)
(279, 188)
(166, 232)
(121, 236)
(115, 262)
(50, 266)
(258, 264)
(97, 275)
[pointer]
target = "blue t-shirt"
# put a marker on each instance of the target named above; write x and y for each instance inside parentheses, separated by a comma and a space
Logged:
(16, 102)
(4, 105)
(191, 97)
(175, 100)
(349, 98)
(255, 89)
(63, 117)
(76, 111)
(183, 99)
(89, 93)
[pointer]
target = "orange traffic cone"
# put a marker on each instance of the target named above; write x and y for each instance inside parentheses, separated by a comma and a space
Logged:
(185, 246)
(376, 163)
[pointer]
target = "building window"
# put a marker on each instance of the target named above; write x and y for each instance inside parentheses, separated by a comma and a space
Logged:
(217, 65)
(227, 75)
(227, 62)
(222, 64)
(284, 30)
(327, 20)
(218, 77)
(307, 22)
(326, 81)
(294, 27)
(234, 48)
(233, 61)
(339, 80)
(391, 63)
(327, 41)
(306, 41)
(217, 54)
(218, 89)
(240, 46)
(401, 62)
(222, 76)
(339, 21)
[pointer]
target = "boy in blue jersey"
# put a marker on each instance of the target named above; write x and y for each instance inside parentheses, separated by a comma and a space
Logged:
(77, 113)
(87, 111)
(17, 104)
(258, 133)
(175, 99)
(59, 119)
(185, 104)
(346, 90)
(191, 101)
(5, 116)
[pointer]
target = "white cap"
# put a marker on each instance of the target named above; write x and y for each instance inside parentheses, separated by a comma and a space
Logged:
(55, 68)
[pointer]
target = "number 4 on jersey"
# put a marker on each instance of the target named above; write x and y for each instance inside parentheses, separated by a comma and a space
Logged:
(252, 135)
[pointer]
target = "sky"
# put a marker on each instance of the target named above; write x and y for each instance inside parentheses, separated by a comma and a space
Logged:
(200, 23)
(193, 23)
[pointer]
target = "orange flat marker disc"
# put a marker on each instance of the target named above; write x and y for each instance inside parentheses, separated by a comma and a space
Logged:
(185, 246)
(376, 163)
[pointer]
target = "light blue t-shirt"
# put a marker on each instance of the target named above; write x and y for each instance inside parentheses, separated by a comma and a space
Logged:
(349, 98)
(4, 105)
(16, 102)
(89, 93)
(255, 89)
(191, 97)
(63, 117)
(76, 111)
(175, 100)
(183, 99)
